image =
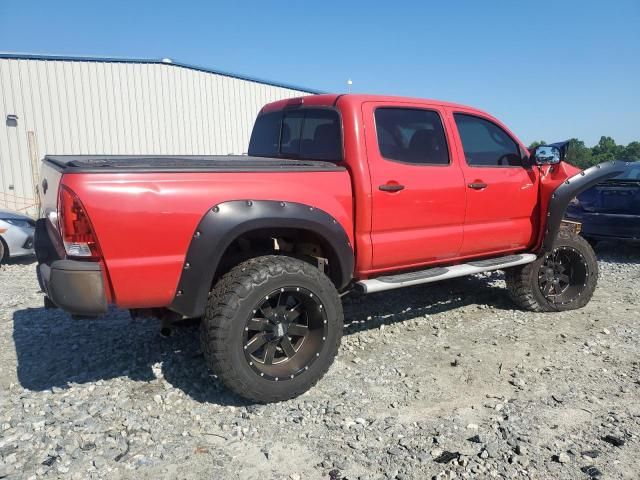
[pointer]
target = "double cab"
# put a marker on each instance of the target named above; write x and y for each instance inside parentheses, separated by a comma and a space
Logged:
(338, 193)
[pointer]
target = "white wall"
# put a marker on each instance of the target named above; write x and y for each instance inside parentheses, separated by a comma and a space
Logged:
(107, 107)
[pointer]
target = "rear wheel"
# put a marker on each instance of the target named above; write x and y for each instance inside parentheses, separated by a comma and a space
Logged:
(563, 279)
(272, 328)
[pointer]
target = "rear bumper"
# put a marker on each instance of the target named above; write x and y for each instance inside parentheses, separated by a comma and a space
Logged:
(73, 285)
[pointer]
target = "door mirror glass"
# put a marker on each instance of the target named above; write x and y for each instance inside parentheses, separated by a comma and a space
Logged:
(546, 155)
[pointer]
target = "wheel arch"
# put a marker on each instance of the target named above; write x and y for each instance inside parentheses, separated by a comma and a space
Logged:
(230, 221)
(568, 190)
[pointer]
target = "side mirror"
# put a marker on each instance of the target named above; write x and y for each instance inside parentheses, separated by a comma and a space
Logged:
(546, 155)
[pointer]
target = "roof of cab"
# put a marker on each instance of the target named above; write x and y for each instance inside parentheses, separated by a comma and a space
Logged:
(331, 99)
(353, 101)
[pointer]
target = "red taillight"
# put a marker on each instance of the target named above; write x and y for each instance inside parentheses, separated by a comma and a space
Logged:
(76, 230)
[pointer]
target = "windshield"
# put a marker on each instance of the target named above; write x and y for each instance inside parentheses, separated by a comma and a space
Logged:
(308, 134)
(632, 173)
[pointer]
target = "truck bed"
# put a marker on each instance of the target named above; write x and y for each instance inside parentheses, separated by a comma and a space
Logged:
(182, 163)
(160, 200)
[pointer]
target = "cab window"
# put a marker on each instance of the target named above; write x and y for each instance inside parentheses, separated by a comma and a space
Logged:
(308, 134)
(411, 135)
(485, 144)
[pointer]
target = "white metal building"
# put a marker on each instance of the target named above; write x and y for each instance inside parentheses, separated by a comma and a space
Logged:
(73, 105)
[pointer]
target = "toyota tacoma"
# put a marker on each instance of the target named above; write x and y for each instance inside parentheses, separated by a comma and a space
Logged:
(338, 193)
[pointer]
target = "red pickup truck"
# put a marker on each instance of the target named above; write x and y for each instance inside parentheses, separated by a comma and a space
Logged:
(337, 193)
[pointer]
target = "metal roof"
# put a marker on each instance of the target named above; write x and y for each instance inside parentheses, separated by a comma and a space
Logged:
(72, 58)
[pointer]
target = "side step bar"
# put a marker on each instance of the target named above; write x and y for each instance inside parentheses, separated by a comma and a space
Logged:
(436, 274)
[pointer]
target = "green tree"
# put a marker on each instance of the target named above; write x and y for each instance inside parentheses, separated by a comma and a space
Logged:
(605, 145)
(632, 151)
(536, 143)
(578, 154)
(606, 149)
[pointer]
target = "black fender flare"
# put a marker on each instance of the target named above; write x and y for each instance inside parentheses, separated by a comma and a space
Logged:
(225, 222)
(570, 188)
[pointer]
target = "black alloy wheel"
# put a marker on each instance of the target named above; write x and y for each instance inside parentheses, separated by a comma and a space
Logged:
(562, 279)
(563, 275)
(285, 333)
(272, 327)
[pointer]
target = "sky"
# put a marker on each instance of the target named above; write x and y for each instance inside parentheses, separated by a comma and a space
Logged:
(550, 70)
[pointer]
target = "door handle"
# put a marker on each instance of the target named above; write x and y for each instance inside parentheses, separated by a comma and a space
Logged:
(477, 185)
(391, 187)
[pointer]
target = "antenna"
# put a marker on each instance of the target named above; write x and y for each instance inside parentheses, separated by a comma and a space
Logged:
(349, 83)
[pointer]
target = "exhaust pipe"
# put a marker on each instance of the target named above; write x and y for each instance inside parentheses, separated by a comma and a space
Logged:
(166, 326)
(167, 317)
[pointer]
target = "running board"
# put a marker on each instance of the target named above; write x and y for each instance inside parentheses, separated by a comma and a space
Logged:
(442, 273)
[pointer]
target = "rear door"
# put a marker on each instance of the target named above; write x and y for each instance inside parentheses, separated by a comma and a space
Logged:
(417, 186)
(502, 194)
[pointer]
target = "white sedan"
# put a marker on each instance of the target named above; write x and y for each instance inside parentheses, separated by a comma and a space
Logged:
(16, 235)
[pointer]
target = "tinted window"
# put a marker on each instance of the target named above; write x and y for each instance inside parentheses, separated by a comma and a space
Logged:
(265, 137)
(320, 139)
(311, 134)
(411, 135)
(486, 144)
(291, 128)
(632, 173)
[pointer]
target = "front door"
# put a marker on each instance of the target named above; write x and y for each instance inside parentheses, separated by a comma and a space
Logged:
(417, 187)
(501, 193)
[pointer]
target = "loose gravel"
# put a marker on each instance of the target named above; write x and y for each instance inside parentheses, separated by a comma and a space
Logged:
(443, 381)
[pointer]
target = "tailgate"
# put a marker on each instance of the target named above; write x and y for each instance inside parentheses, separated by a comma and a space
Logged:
(50, 176)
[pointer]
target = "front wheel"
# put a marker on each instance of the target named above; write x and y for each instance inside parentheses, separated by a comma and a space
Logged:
(563, 279)
(3, 251)
(272, 328)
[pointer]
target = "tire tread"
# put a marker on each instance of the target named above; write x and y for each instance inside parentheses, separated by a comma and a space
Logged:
(220, 314)
(522, 281)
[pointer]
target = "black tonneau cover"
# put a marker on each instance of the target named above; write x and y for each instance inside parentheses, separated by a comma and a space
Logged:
(182, 163)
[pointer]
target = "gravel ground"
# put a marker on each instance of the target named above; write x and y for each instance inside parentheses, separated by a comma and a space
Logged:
(441, 381)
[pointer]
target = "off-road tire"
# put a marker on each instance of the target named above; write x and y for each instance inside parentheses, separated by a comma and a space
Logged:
(233, 300)
(523, 283)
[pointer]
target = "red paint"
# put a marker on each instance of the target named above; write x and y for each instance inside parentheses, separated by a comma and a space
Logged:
(550, 178)
(144, 222)
(421, 223)
(503, 216)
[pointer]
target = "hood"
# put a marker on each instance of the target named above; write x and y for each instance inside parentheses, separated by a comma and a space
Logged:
(11, 214)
